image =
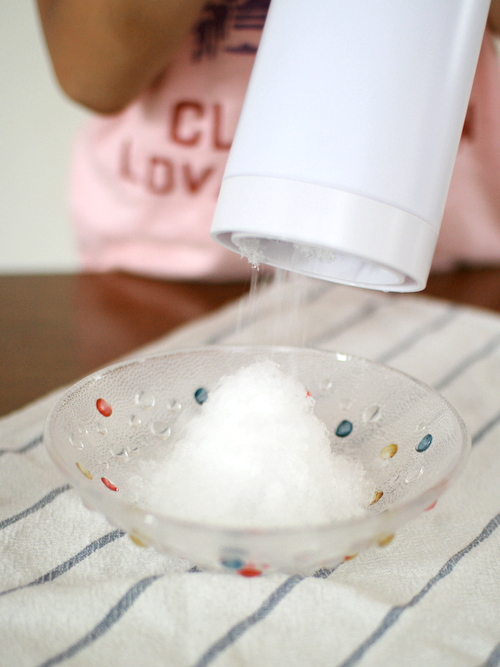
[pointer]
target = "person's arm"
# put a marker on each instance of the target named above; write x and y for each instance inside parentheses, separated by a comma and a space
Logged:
(106, 52)
(494, 16)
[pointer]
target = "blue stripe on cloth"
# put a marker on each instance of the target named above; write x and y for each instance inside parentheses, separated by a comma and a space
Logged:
(469, 361)
(259, 615)
(111, 618)
(493, 660)
(34, 508)
(485, 429)
(71, 562)
(32, 443)
(240, 628)
(325, 572)
(396, 612)
(442, 320)
(365, 311)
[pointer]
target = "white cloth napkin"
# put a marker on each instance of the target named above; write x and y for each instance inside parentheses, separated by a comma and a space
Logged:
(76, 591)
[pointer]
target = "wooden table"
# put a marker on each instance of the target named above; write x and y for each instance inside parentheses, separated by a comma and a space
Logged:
(55, 329)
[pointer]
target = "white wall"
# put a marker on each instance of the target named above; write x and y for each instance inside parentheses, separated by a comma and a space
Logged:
(37, 126)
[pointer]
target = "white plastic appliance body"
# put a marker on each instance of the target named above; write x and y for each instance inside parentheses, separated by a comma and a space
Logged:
(345, 146)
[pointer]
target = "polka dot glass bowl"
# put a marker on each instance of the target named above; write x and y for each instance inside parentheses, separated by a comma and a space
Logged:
(408, 437)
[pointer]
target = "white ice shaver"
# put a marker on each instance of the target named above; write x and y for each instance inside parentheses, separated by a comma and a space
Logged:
(345, 146)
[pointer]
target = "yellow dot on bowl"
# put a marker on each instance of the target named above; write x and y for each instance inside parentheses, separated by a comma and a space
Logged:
(378, 495)
(84, 470)
(388, 451)
(137, 540)
(385, 539)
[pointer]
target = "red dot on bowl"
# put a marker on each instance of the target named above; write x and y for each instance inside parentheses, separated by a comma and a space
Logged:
(249, 571)
(103, 407)
(431, 506)
(109, 484)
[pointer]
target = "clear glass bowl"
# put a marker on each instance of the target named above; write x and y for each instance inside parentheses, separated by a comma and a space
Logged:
(410, 440)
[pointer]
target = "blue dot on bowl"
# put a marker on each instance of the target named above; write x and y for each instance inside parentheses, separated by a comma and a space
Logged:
(425, 443)
(232, 563)
(344, 428)
(201, 395)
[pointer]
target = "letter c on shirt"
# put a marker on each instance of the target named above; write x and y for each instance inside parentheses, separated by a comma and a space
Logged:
(183, 112)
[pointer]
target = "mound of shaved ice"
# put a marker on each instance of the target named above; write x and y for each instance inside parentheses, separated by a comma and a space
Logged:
(255, 455)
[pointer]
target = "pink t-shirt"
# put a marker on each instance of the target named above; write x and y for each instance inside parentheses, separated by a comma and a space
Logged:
(145, 182)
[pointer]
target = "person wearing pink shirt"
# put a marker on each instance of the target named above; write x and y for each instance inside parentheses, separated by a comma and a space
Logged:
(167, 80)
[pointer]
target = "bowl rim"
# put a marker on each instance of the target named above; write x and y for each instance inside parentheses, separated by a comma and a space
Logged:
(392, 517)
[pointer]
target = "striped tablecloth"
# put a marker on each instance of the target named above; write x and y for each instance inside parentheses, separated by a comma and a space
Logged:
(75, 591)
